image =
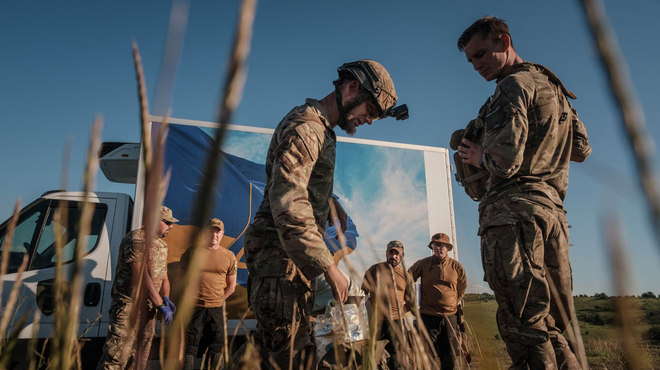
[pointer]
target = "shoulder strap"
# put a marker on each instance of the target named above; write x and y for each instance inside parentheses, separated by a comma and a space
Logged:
(553, 78)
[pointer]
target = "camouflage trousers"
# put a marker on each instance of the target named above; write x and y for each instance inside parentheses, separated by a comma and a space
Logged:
(518, 237)
(120, 343)
(282, 300)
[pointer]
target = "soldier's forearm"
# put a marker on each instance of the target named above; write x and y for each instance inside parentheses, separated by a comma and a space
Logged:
(147, 283)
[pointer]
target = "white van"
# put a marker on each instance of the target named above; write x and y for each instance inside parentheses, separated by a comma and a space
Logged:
(390, 191)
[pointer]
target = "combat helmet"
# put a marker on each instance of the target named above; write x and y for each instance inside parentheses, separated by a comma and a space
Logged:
(376, 81)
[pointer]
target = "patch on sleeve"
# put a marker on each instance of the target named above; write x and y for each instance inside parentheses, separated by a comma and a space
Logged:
(495, 118)
(295, 154)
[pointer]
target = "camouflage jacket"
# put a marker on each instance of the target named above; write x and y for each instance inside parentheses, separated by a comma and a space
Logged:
(130, 250)
(531, 132)
(300, 170)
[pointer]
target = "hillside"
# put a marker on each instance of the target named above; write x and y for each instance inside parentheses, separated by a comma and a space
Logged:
(599, 326)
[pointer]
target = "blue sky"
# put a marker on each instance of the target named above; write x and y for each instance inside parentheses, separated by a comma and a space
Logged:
(62, 63)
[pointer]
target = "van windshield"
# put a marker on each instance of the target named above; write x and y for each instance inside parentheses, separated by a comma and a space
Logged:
(41, 228)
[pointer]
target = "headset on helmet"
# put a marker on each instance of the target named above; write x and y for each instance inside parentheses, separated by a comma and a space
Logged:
(376, 81)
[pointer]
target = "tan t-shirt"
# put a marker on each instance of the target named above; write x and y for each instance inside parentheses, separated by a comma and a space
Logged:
(218, 264)
(380, 275)
(443, 285)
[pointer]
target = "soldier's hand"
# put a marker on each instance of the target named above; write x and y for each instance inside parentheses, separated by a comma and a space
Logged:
(470, 152)
(169, 304)
(338, 283)
(168, 315)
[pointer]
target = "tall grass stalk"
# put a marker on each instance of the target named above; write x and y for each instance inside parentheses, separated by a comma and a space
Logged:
(625, 316)
(66, 351)
(32, 346)
(231, 97)
(634, 123)
(61, 227)
(570, 322)
(11, 227)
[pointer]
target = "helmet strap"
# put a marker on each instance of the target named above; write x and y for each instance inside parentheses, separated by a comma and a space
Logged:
(343, 110)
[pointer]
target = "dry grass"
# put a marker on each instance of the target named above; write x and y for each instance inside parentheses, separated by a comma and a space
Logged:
(604, 354)
(412, 344)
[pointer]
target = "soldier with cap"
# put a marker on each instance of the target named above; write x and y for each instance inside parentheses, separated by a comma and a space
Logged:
(284, 247)
(531, 133)
(217, 282)
(121, 342)
(442, 289)
(386, 283)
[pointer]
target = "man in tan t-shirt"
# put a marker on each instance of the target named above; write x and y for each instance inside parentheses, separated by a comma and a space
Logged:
(217, 283)
(385, 282)
(442, 287)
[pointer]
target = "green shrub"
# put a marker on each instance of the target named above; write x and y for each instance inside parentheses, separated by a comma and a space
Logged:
(652, 334)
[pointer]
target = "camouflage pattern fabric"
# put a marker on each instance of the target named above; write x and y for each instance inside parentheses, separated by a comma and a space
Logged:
(282, 300)
(517, 236)
(300, 169)
(131, 250)
(531, 134)
(120, 344)
(284, 247)
(531, 131)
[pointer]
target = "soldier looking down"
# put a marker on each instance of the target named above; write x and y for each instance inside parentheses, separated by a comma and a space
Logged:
(284, 247)
(531, 134)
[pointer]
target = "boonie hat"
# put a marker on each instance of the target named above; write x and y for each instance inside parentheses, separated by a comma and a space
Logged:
(166, 215)
(441, 238)
(215, 222)
(395, 244)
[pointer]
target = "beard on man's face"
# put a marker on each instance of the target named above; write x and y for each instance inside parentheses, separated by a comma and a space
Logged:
(346, 125)
(393, 262)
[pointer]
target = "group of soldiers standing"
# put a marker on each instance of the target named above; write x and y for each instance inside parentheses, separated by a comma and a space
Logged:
(531, 133)
(442, 287)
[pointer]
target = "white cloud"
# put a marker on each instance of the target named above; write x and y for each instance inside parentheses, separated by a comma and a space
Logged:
(399, 212)
(252, 146)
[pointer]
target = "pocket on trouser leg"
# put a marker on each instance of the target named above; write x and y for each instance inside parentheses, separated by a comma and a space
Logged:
(294, 299)
(501, 258)
(264, 297)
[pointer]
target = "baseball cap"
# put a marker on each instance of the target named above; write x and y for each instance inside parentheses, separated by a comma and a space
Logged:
(395, 244)
(441, 238)
(215, 222)
(166, 215)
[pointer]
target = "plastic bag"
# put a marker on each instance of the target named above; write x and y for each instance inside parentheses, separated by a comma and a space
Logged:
(330, 327)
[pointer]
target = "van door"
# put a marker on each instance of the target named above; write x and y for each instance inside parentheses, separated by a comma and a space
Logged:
(37, 232)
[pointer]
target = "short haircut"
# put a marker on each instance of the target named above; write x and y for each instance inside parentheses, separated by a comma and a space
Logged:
(485, 27)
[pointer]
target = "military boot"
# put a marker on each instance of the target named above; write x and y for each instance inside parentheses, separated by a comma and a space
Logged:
(188, 362)
(217, 362)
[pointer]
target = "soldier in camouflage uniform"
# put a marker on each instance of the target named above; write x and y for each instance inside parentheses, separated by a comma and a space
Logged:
(531, 134)
(284, 247)
(120, 344)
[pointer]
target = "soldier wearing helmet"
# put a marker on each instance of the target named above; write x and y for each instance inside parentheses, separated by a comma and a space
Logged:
(284, 247)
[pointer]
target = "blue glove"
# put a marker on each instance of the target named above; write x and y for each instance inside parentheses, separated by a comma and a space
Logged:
(168, 316)
(169, 304)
